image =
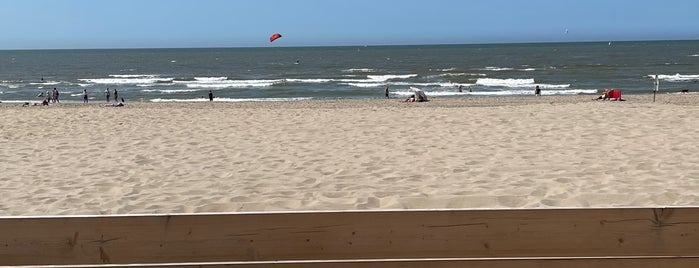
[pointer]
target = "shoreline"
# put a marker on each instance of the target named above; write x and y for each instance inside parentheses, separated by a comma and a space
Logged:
(469, 101)
(349, 154)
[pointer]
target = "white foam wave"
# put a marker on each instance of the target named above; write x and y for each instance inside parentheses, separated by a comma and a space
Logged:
(510, 82)
(209, 79)
(9, 85)
(359, 70)
(383, 78)
(517, 83)
(127, 80)
(310, 80)
(464, 74)
(46, 83)
(381, 85)
(230, 100)
(676, 77)
(497, 69)
(229, 83)
(133, 75)
(695, 55)
(549, 86)
(491, 68)
(170, 91)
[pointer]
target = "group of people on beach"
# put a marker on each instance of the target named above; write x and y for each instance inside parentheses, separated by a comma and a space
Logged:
(52, 96)
(116, 95)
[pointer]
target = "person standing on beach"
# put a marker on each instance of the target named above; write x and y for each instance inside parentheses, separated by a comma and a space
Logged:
(537, 91)
(116, 95)
(106, 93)
(84, 95)
(55, 95)
(385, 90)
(211, 96)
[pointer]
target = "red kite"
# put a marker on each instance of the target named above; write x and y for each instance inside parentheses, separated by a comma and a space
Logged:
(274, 37)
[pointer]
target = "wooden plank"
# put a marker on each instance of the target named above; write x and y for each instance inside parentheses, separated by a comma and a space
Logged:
(350, 235)
(632, 262)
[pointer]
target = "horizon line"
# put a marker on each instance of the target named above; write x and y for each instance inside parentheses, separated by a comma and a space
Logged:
(367, 45)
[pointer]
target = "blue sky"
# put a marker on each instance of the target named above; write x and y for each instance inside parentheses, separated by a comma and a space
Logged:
(41, 24)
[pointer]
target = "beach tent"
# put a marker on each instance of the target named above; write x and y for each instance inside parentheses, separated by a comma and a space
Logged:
(419, 94)
(615, 94)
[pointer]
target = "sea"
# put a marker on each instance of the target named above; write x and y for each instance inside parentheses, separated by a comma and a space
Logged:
(349, 72)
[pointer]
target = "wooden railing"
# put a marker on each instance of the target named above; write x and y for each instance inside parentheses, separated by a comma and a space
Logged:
(606, 237)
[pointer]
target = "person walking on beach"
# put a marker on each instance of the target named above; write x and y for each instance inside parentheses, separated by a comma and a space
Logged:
(537, 91)
(84, 95)
(116, 95)
(211, 96)
(106, 93)
(385, 90)
(55, 95)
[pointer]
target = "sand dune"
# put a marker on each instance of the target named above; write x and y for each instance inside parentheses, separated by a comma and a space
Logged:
(515, 152)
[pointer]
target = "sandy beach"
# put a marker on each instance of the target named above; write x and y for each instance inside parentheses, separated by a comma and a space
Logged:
(509, 152)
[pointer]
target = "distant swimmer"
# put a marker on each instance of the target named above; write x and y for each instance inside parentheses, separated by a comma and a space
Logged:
(459, 89)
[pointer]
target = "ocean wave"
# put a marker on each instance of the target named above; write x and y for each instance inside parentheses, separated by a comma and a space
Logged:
(517, 83)
(510, 82)
(426, 84)
(387, 77)
(133, 75)
(676, 77)
(10, 85)
(498, 69)
(209, 79)
(133, 80)
(229, 83)
(170, 91)
(695, 55)
(448, 69)
(230, 99)
(359, 70)
(46, 83)
(463, 74)
(310, 80)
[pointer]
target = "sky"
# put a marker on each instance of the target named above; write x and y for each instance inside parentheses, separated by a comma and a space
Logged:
(78, 24)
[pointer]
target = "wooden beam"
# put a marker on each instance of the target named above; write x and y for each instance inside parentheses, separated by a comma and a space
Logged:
(602, 262)
(350, 235)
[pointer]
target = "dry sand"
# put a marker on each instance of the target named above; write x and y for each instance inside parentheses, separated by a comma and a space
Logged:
(515, 152)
